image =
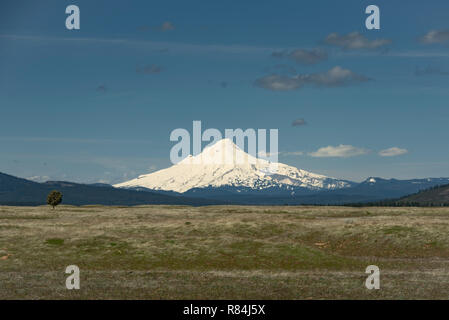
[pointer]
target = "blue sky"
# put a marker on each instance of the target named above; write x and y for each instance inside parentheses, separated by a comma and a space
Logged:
(99, 103)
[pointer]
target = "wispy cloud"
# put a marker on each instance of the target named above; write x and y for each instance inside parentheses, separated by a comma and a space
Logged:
(281, 69)
(151, 45)
(435, 36)
(74, 39)
(430, 70)
(303, 56)
(72, 140)
(340, 151)
(392, 152)
(102, 88)
(418, 54)
(264, 154)
(354, 41)
(292, 153)
(299, 122)
(335, 77)
(167, 26)
(278, 82)
(174, 47)
(149, 69)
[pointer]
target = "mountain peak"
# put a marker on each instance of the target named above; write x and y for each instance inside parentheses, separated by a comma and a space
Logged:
(224, 142)
(223, 152)
(224, 164)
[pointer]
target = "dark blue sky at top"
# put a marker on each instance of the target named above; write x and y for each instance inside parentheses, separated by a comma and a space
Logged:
(99, 103)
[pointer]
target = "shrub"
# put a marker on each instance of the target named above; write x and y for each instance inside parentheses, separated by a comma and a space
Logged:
(54, 198)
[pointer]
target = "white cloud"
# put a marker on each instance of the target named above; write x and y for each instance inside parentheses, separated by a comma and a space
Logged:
(355, 40)
(340, 151)
(435, 36)
(278, 82)
(392, 152)
(335, 77)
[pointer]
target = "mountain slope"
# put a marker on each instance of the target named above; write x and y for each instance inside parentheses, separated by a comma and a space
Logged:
(435, 196)
(17, 191)
(379, 188)
(226, 165)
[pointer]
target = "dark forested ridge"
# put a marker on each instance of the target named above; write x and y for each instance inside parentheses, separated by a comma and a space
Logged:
(17, 191)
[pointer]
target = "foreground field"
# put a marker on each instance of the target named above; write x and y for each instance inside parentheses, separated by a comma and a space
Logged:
(224, 252)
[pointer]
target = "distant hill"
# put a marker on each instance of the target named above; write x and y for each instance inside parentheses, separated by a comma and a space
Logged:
(17, 191)
(377, 189)
(372, 189)
(436, 196)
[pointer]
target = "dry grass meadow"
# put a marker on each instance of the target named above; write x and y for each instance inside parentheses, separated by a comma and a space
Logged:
(224, 252)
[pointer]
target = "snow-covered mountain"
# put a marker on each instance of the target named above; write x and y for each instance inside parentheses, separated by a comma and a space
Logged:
(226, 165)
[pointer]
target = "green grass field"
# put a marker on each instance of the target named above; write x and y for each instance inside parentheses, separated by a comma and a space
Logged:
(224, 252)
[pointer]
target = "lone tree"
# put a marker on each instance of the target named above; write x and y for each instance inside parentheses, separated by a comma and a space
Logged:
(54, 198)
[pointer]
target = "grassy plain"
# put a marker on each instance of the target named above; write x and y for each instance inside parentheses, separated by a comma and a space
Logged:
(224, 252)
